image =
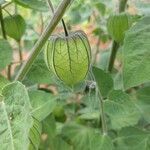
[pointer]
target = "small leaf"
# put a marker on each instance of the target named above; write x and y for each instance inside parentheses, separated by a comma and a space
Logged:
(43, 104)
(100, 7)
(15, 118)
(103, 80)
(15, 26)
(5, 54)
(136, 54)
(121, 110)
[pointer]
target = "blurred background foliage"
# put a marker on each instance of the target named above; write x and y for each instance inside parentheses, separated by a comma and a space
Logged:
(81, 103)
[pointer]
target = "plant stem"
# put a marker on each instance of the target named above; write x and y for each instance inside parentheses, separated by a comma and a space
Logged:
(42, 23)
(9, 72)
(42, 40)
(97, 50)
(114, 50)
(20, 52)
(115, 45)
(65, 28)
(102, 114)
(122, 5)
(7, 4)
(16, 9)
(63, 22)
(2, 24)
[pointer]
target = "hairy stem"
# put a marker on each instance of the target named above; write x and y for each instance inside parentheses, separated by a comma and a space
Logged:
(63, 22)
(115, 45)
(42, 40)
(102, 112)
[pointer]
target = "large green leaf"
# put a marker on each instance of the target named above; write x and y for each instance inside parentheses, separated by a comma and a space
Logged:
(136, 54)
(143, 102)
(3, 82)
(15, 117)
(121, 110)
(133, 139)
(49, 126)
(43, 104)
(5, 54)
(103, 80)
(35, 135)
(85, 138)
(38, 5)
(143, 7)
(58, 143)
(103, 61)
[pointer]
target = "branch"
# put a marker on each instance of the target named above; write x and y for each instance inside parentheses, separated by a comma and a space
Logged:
(42, 40)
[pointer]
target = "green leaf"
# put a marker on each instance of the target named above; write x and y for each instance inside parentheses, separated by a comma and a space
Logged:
(39, 72)
(49, 126)
(103, 80)
(85, 138)
(100, 7)
(143, 7)
(136, 54)
(80, 13)
(143, 102)
(15, 117)
(103, 61)
(121, 110)
(43, 104)
(58, 143)
(91, 110)
(35, 135)
(118, 81)
(3, 82)
(5, 54)
(38, 5)
(133, 139)
(15, 26)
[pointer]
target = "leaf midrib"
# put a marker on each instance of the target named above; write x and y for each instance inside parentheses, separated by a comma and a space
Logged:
(8, 123)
